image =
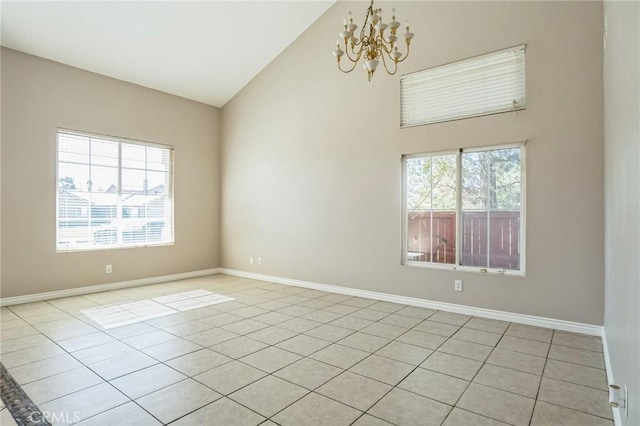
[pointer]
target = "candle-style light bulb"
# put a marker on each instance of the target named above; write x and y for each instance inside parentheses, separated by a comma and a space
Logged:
(406, 25)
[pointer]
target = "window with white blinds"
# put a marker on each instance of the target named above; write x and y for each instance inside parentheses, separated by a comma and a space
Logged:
(112, 192)
(482, 85)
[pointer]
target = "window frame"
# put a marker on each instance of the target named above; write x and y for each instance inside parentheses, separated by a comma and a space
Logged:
(458, 210)
(120, 141)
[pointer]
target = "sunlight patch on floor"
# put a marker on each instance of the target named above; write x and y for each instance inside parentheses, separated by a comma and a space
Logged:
(128, 313)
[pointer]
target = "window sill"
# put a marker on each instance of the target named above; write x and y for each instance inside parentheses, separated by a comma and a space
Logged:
(459, 268)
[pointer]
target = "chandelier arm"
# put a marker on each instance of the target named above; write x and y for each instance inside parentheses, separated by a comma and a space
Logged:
(354, 45)
(384, 62)
(358, 50)
(386, 48)
(347, 71)
(358, 54)
(387, 40)
(406, 55)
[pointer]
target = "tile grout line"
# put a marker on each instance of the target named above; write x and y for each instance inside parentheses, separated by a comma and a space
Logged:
(575, 409)
(474, 376)
(544, 368)
(239, 335)
(313, 391)
(131, 399)
(104, 381)
(543, 376)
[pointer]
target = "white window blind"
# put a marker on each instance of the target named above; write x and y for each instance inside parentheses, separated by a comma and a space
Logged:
(112, 192)
(482, 85)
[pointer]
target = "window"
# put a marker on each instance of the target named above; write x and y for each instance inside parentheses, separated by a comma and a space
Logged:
(112, 192)
(486, 84)
(465, 209)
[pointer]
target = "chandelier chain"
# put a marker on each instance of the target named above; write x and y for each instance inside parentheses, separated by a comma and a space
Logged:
(366, 19)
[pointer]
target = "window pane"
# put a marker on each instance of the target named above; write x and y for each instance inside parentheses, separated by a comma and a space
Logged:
(475, 181)
(73, 204)
(72, 148)
(419, 183)
(73, 176)
(134, 231)
(444, 182)
(431, 237)
(504, 252)
(444, 237)
(103, 180)
(418, 236)
(104, 152)
(134, 156)
(73, 218)
(157, 183)
(491, 208)
(474, 239)
(134, 181)
(158, 159)
(431, 201)
(505, 165)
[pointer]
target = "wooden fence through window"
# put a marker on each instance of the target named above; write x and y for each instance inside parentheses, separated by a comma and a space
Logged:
(499, 236)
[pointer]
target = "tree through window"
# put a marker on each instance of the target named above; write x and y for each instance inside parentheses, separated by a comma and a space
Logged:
(465, 208)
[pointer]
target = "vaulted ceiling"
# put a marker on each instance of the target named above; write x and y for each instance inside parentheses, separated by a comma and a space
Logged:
(205, 51)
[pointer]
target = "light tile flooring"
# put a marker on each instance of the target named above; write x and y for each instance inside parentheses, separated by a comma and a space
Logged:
(293, 356)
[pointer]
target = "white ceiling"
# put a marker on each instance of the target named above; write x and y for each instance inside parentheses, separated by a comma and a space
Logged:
(205, 51)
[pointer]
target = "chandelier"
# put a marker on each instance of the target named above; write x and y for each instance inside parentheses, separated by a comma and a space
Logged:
(374, 44)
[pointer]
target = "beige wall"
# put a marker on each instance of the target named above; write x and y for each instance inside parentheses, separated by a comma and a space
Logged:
(622, 196)
(38, 96)
(311, 158)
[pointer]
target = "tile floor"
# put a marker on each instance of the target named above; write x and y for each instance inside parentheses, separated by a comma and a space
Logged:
(292, 356)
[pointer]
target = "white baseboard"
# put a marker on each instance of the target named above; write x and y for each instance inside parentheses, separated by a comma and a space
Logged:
(617, 416)
(574, 327)
(29, 298)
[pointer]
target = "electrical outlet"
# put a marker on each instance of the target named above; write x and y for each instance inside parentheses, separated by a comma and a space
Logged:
(259, 260)
(457, 285)
(109, 269)
(251, 260)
